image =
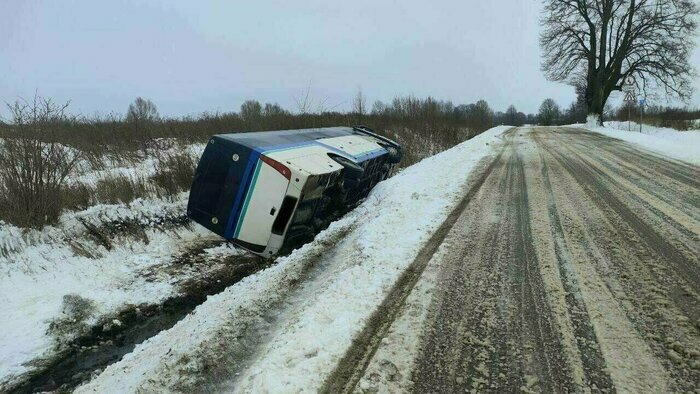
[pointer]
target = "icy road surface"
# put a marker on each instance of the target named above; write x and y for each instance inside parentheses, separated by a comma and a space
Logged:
(531, 259)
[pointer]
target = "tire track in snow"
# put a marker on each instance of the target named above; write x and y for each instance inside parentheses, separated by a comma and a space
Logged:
(592, 359)
(494, 328)
(465, 342)
(536, 316)
(647, 241)
(662, 187)
(670, 168)
(602, 195)
(628, 359)
(650, 289)
(652, 204)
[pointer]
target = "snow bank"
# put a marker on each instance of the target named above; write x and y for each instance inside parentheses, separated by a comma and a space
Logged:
(680, 145)
(324, 292)
(145, 212)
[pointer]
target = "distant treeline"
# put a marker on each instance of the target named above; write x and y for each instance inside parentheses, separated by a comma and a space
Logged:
(42, 144)
(425, 125)
(442, 122)
(433, 124)
(673, 117)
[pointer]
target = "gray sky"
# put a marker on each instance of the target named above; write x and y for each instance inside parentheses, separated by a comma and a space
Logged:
(190, 57)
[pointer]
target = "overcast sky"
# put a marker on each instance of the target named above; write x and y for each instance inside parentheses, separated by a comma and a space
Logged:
(195, 56)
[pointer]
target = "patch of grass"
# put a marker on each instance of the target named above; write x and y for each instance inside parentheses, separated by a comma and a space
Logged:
(78, 197)
(174, 173)
(73, 321)
(121, 189)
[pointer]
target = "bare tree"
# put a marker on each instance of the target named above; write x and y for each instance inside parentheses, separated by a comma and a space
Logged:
(141, 111)
(251, 109)
(549, 112)
(511, 117)
(359, 103)
(274, 110)
(141, 114)
(379, 108)
(304, 102)
(602, 42)
(482, 115)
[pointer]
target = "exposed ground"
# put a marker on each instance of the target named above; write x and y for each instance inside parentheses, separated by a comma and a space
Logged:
(574, 266)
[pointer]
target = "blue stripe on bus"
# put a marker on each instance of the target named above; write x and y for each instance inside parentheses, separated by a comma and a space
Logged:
(233, 216)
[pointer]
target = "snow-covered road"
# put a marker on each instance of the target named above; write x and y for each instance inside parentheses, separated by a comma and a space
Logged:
(574, 268)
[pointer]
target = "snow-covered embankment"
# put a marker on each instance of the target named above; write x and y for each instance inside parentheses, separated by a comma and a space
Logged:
(44, 273)
(680, 145)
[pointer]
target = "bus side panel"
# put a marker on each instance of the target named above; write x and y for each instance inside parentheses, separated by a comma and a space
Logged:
(261, 206)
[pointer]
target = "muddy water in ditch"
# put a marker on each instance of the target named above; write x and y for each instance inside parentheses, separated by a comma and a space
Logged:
(92, 353)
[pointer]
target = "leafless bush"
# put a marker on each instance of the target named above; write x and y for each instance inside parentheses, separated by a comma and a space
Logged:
(33, 165)
(671, 117)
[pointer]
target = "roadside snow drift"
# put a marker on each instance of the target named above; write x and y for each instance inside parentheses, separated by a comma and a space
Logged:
(319, 297)
(680, 145)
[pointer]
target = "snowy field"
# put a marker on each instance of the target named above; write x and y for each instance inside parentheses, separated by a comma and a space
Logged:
(143, 168)
(680, 145)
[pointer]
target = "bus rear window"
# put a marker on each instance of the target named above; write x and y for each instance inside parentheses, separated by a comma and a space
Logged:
(212, 180)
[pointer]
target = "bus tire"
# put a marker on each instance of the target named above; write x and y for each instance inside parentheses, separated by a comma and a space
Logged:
(394, 156)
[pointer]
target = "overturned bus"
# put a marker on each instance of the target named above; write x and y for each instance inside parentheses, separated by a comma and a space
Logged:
(272, 191)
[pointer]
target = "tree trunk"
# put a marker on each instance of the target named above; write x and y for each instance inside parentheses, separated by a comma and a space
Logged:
(596, 96)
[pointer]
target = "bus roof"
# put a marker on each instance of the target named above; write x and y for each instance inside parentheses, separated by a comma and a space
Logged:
(266, 139)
